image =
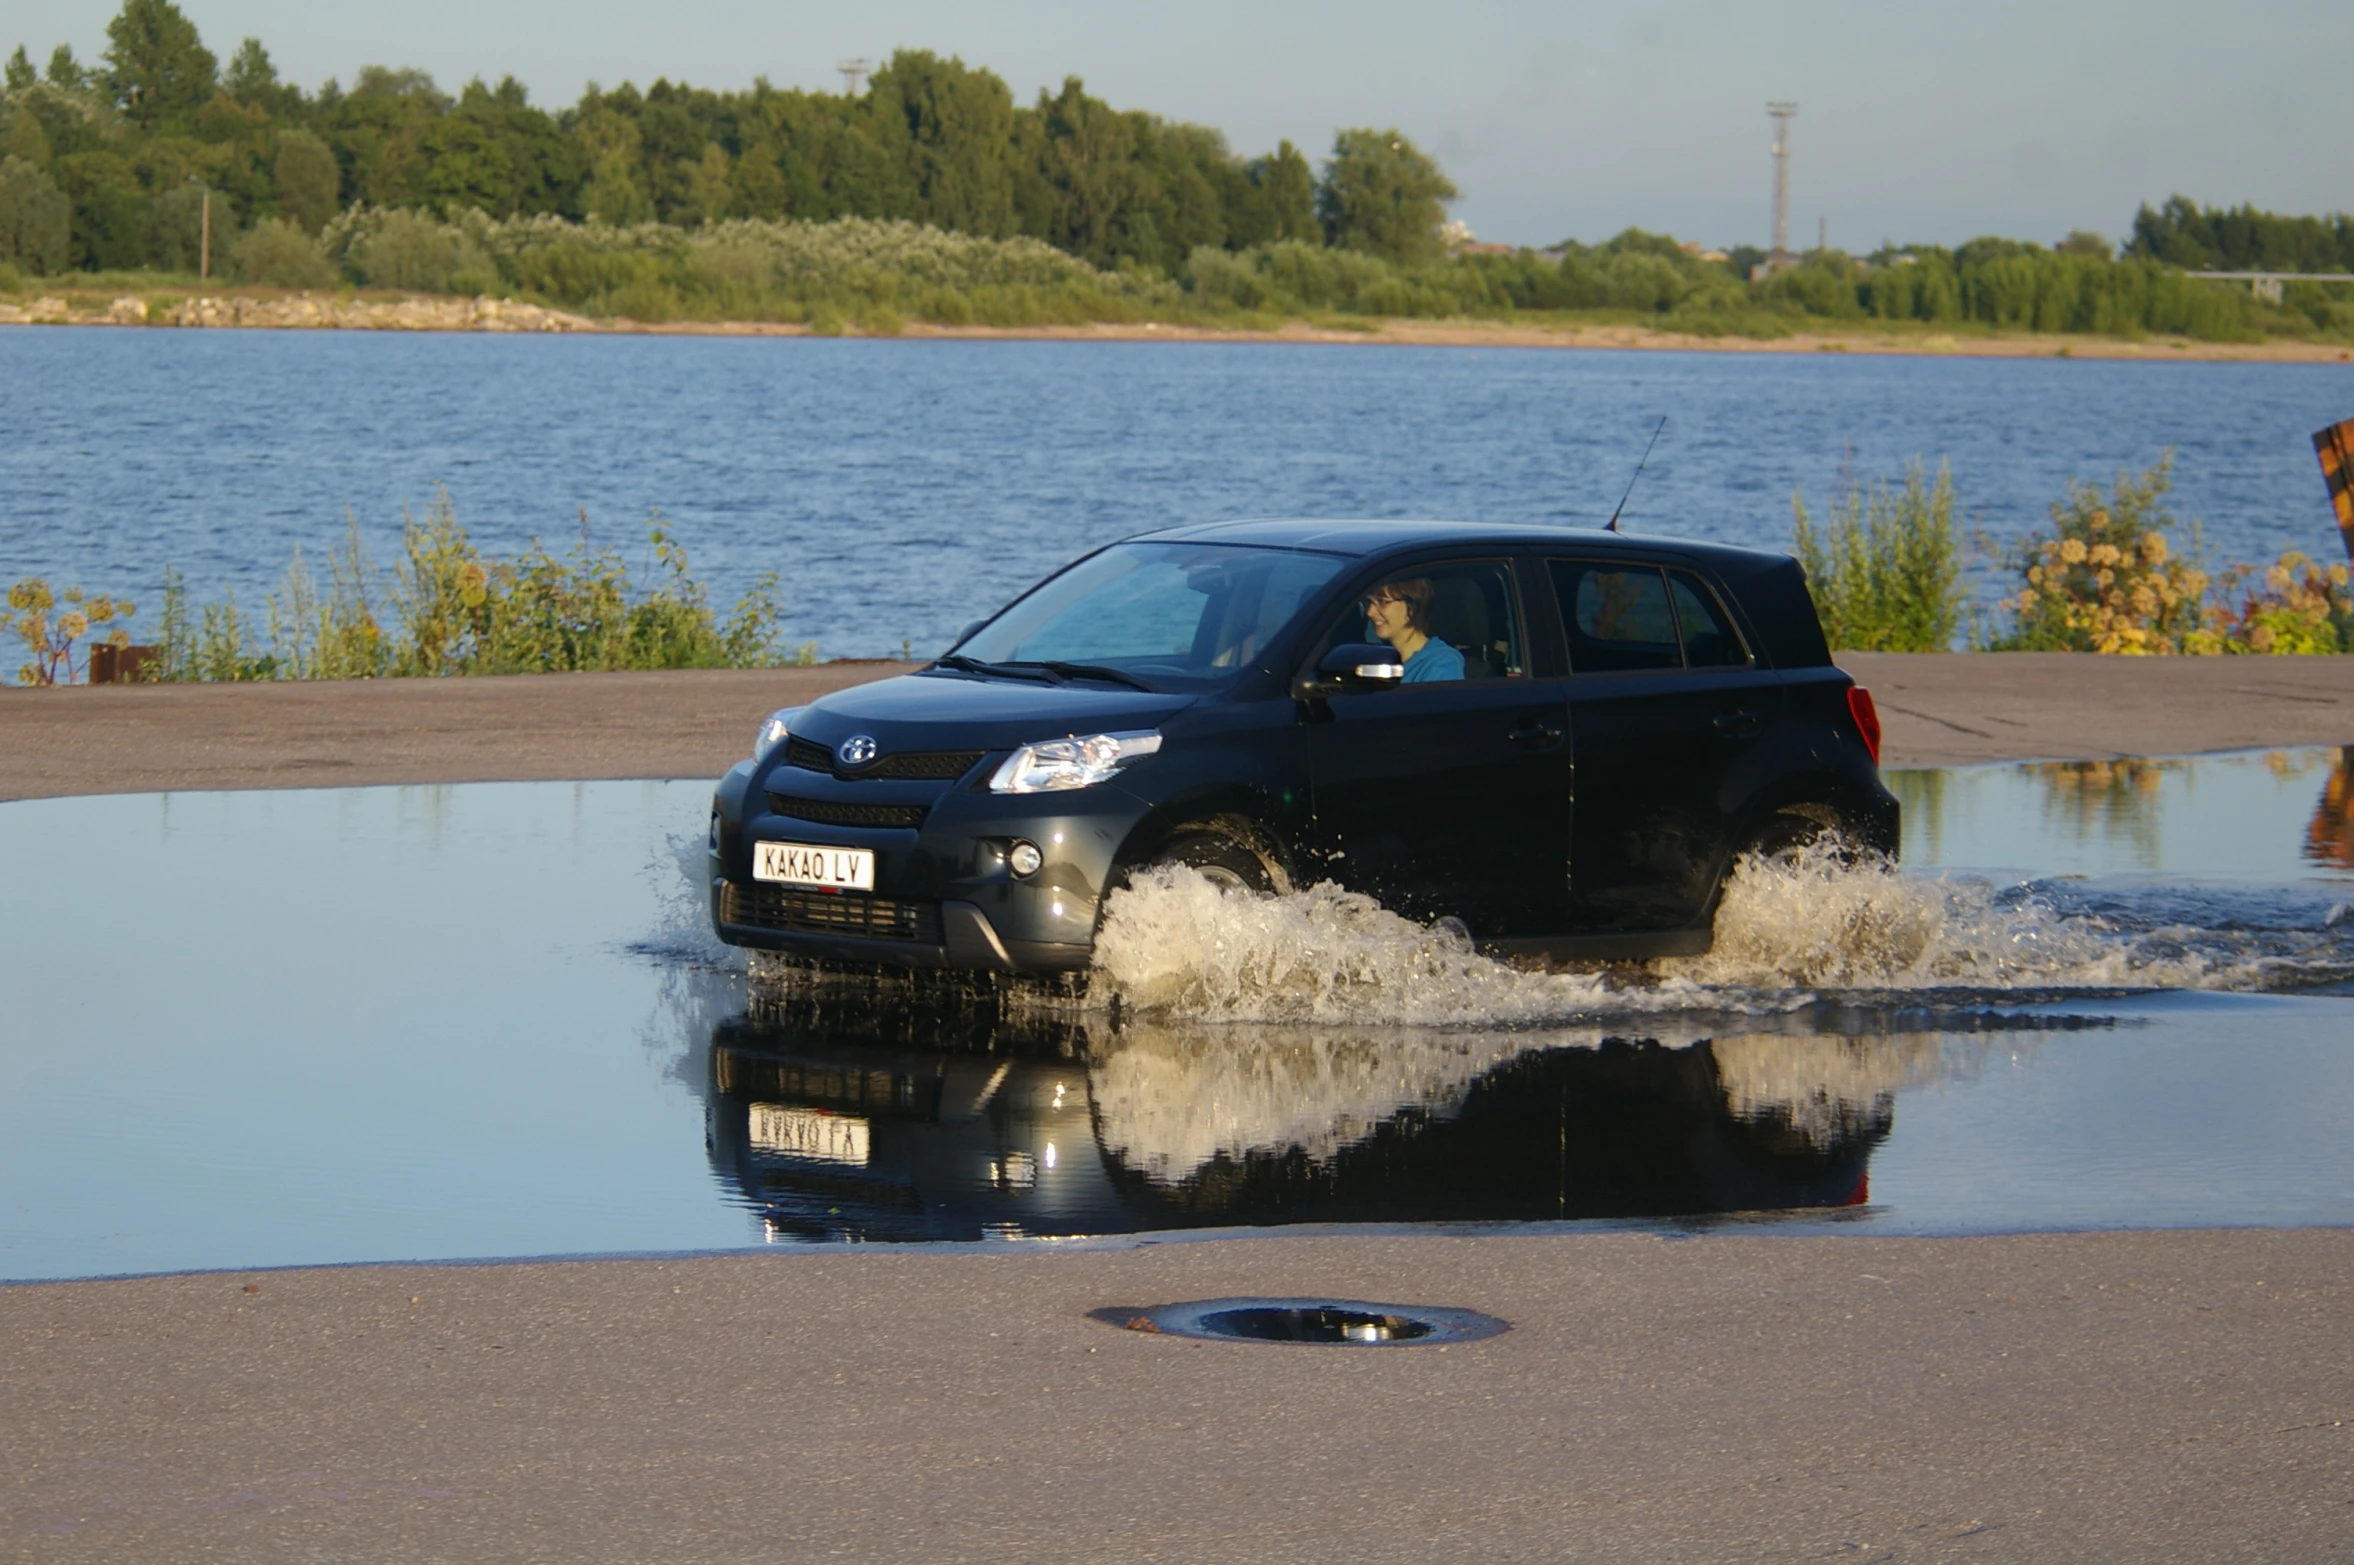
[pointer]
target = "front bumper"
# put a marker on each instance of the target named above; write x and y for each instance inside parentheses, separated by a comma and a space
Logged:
(944, 896)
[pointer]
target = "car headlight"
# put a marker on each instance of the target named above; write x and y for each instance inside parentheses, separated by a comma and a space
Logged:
(774, 730)
(1051, 765)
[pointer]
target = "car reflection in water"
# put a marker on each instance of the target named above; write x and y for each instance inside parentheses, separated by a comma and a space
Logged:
(841, 1120)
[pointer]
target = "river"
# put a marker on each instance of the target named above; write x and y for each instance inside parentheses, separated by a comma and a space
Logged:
(903, 487)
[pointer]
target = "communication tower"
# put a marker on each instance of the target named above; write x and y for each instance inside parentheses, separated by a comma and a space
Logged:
(1782, 114)
(854, 75)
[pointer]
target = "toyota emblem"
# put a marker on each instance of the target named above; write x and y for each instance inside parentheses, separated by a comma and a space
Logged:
(856, 750)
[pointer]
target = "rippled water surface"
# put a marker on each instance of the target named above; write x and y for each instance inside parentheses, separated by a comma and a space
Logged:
(905, 487)
(485, 1021)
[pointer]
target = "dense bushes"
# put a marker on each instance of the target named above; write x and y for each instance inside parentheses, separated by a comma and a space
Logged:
(1886, 569)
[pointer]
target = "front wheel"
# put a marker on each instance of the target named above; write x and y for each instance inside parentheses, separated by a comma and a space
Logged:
(1223, 861)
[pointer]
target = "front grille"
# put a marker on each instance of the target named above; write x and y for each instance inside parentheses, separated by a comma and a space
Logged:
(912, 765)
(930, 765)
(762, 905)
(832, 812)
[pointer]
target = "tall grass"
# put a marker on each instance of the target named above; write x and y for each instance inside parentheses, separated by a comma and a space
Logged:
(1885, 567)
(446, 608)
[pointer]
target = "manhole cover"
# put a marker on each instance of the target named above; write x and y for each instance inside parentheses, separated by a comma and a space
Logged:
(1340, 1322)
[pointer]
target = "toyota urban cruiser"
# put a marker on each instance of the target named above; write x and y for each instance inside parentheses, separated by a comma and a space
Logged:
(1563, 738)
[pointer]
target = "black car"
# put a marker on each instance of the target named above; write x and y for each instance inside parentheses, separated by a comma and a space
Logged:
(1565, 742)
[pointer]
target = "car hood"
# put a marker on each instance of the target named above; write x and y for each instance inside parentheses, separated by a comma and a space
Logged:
(970, 712)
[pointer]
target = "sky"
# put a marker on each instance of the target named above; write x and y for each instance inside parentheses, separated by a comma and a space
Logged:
(1916, 123)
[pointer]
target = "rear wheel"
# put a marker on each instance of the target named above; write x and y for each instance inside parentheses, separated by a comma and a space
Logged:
(1791, 831)
(1224, 861)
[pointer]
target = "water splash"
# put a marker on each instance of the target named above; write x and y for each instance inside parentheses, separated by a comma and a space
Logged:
(1174, 943)
(1788, 931)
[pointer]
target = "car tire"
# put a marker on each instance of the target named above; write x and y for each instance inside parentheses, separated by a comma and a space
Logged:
(1225, 862)
(1793, 829)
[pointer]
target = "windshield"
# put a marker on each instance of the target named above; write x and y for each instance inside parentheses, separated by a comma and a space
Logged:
(1168, 615)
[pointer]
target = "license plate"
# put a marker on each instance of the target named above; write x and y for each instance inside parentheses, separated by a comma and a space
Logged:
(809, 1133)
(799, 864)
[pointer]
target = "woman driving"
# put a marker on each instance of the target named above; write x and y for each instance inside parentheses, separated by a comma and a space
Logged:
(1399, 612)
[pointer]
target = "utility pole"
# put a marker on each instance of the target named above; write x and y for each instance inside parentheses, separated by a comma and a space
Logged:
(854, 75)
(204, 240)
(1781, 114)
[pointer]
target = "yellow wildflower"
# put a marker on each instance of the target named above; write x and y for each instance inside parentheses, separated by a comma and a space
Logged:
(2072, 550)
(74, 625)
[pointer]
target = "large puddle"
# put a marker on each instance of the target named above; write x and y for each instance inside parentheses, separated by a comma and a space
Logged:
(485, 1022)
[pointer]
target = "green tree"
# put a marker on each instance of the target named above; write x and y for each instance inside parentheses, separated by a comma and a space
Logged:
(252, 79)
(65, 71)
(21, 136)
(306, 181)
(463, 163)
(1091, 177)
(959, 127)
(176, 227)
(19, 73)
(1288, 185)
(35, 218)
(160, 70)
(110, 209)
(252, 75)
(278, 254)
(1383, 195)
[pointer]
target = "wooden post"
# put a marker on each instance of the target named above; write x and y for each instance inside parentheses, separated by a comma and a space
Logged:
(204, 243)
(2335, 447)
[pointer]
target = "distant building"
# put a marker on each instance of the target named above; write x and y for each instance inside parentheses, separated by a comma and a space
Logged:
(1459, 240)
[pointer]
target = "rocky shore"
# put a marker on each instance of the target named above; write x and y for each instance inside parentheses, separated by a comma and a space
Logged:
(315, 311)
(427, 312)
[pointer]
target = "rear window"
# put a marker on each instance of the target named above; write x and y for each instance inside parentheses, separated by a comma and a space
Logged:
(1624, 618)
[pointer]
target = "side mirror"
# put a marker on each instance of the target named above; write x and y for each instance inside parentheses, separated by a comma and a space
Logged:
(1354, 667)
(966, 634)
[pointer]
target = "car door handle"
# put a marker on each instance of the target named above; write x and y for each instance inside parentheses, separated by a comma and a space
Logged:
(1740, 724)
(1535, 736)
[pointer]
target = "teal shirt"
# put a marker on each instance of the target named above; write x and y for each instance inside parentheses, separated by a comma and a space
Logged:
(1436, 661)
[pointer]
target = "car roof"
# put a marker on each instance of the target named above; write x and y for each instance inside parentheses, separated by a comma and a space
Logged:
(1372, 537)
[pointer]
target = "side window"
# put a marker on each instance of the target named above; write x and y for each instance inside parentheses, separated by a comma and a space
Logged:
(1453, 621)
(1710, 641)
(1618, 617)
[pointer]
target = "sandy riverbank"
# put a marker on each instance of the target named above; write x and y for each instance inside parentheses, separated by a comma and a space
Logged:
(1939, 710)
(267, 310)
(1734, 1396)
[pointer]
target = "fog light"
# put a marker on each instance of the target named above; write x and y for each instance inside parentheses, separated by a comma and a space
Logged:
(1023, 858)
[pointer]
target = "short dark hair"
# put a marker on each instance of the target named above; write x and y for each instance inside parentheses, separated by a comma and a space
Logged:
(1412, 591)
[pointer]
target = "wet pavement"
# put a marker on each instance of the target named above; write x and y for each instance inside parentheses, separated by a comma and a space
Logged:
(484, 1021)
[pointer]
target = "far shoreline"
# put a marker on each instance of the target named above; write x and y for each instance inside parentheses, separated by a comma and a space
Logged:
(265, 310)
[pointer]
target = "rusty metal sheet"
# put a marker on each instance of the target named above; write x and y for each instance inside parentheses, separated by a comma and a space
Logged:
(2335, 447)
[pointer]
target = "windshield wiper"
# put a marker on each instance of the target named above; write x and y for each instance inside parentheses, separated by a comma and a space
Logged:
(966, 665)
(1096, 671)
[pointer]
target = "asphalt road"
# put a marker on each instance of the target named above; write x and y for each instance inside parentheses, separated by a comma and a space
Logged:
(1737, 1396)
(1939, 709)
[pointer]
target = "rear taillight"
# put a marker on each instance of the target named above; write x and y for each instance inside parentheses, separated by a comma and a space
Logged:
(1867, 718)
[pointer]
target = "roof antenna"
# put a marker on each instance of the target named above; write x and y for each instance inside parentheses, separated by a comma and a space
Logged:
(1611, 526)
